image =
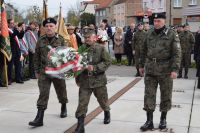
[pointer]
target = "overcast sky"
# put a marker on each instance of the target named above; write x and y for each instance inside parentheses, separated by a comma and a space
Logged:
(53, 5)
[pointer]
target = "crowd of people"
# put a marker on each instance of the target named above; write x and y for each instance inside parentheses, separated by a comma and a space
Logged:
(159, 54)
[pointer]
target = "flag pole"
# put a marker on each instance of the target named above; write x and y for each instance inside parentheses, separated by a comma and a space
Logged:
(6, 74)
(59, 19)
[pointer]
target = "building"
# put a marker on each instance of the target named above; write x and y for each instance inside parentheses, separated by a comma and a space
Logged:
(184, 11)
(103, 11)
(89, 6)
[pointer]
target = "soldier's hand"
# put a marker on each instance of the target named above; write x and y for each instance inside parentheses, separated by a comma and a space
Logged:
(133, 52)
(90, 68)
(173, 75)
(141, 71)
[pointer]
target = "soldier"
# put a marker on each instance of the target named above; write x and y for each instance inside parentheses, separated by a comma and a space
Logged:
(138, 40)
(146, 27)
(160, 55)
(44, 81)
(187, 41)
(93, 79)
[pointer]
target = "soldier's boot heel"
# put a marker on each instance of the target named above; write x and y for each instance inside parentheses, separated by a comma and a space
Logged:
(38, 121)
(63, 113)
(163, 122)
(148, 125)
(80, 127)
(106, 117)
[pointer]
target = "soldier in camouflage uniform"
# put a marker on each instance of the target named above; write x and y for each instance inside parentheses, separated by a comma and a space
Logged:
(44, 81)
(160, 61)
(138, 40)
(93, 80)
(187, 41)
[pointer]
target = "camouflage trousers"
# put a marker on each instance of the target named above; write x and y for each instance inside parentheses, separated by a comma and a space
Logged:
(151, 84)
(185, 60)
(84, 97)
(44, 83)
(137, 56)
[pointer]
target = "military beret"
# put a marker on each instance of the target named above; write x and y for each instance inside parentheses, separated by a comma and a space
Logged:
(87, 31)
(140, 24)
(159, 15)
(49, 20)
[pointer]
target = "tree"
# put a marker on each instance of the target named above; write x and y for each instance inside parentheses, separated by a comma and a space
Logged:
(33, 14)
(86, 19)
(72, 17)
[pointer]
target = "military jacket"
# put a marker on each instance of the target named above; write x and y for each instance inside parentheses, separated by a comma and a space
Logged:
(138, 39)
(187, 41)
(101, 60)
(41, 51)
(161, 53)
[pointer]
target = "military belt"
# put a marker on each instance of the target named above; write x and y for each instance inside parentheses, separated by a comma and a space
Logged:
(92, 73)
(158, 60)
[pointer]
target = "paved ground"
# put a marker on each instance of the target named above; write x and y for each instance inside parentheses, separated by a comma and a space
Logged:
(18, 107)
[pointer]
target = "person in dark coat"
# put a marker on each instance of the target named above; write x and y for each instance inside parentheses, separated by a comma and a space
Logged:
(197, 56)
(16, 53)
(128, 44)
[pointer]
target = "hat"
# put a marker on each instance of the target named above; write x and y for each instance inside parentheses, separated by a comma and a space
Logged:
(49, 20)
(70, 27)
(159, 15)
(139, 24)
(88, 31)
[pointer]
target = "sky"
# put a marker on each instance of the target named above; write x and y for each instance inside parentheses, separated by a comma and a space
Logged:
(53, 5)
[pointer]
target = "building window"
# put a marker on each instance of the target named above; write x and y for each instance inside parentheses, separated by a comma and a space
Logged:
(177, 3)
(193, 2)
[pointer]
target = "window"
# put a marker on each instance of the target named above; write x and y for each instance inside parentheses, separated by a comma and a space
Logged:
(193, 2)
(177, 3)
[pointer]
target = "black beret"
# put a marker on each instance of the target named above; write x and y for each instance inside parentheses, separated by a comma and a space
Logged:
(159, 15)
(49, 20)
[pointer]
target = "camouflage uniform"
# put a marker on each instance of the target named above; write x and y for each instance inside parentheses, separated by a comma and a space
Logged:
(138, 40)
(160, 55)
(44, 81)
(94, 81)
(187, 41)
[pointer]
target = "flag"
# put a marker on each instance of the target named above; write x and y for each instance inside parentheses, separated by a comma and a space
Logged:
(5, 43)
(61, 29)
(44, 16)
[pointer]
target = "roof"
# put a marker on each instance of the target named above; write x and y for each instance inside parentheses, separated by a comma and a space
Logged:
(120, 2)
(104, 4)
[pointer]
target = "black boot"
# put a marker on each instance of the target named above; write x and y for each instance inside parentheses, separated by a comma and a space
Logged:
(80, 127)
(180, 73)
(186, 73)
(149, 123)
(63, 113)
(138, 73)
(38, 121)
(198, 84)
(106, 117)
(163, 122)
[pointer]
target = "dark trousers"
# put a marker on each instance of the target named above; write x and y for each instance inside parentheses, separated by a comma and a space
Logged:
(31, 65)
(118, 58)
(18, 67)
(130, 58)
(1, 68)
